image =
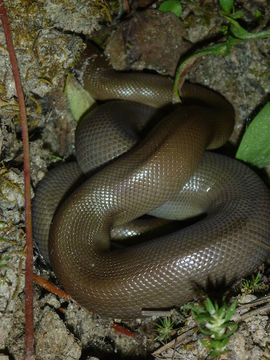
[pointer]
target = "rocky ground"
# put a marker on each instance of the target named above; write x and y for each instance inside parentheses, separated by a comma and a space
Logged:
(48, 37)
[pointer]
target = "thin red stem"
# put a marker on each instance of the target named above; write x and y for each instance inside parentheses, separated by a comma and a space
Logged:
(127, 6)
(29, 313)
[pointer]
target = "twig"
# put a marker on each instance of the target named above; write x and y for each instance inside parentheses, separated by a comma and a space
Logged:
(259, 311)
(123, 330)
(56, 291)
(255, 302)
(176, 341)
(156, 313)
(127, 6)
(51, 287)
(29, 315)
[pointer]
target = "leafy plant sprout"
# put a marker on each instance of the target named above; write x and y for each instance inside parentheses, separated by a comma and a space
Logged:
(254, 284)
(165, 329)
(214, 322)
(235, 34)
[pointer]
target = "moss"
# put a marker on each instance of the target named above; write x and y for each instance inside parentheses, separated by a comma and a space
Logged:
(202, 12)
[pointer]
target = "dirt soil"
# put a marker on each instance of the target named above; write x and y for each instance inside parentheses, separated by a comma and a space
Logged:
(49, 37)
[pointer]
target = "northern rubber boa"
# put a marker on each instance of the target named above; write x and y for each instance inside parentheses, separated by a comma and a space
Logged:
(167, 172)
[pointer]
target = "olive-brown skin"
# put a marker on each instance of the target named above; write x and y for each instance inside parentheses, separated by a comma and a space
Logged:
(166, 172)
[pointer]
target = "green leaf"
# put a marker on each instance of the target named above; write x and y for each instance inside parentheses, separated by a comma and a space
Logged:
(224, 342)
(210, 307)
(221, 311)
(206, 332)
(234, 327)
(199, 320)
(55, 157)
(79, 100)
(205, 343)
(173, 6)
(203, 318)
(237, 14)
(218, 347)
(258, 14)
(227, 5)
(219, 344)
(230, 311)
(255, 145)
(214, 354)
(196, 309)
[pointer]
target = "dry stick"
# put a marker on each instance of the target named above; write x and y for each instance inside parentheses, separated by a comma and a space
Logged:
(51, 287)
(176, 341)
(261, 310)
(56, 291)
(256, 302)
(29, 323)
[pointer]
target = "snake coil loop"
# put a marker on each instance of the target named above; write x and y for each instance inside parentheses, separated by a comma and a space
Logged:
(167, 172)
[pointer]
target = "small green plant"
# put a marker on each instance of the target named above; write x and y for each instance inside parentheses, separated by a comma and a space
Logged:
(253, 285)
(165, 329)
(235, 34)
(214, 322)
(185, 310)
(3, 265)
(3, 260)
